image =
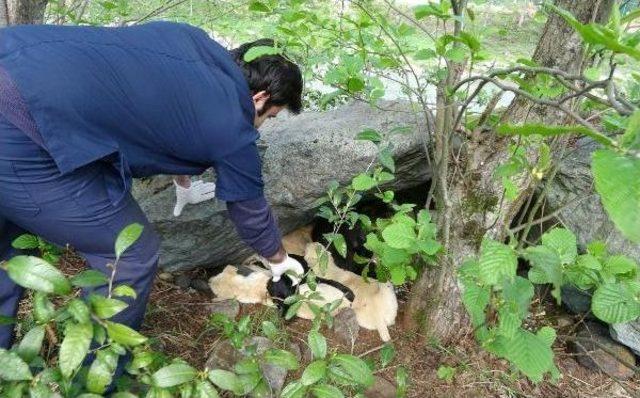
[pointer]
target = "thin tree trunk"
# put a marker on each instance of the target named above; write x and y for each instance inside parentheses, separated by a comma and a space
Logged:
(18, 12)
(477, 209)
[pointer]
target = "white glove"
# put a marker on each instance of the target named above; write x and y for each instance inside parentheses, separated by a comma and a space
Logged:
(291, 267)
(199, 191)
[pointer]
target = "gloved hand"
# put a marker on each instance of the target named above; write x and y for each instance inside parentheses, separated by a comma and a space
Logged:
(290, 266)
(199, 191)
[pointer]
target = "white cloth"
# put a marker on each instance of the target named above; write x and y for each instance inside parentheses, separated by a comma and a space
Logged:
(199, 191)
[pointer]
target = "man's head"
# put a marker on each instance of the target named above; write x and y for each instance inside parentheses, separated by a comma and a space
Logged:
(275, 82)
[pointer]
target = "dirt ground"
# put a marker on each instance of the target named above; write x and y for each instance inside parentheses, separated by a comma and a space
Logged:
(177, 323)
(178, 318)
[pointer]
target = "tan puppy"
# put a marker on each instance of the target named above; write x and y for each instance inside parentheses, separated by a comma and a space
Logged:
(375, 303)
(296, 242)
(247, 284)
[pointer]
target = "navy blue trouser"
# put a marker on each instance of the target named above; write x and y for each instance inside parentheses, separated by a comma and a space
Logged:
(74, 209)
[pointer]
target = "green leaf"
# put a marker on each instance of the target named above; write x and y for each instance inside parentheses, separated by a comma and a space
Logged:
(355, 84)
(497, 262)
(258, 6)
(269, 329)
(424, 54)
(124, 291)
(124, 335)
(25, 242)
(317, 344)
(475, 299)
(74, 347)
(563, 242)
(369, 135)
(548, 131)
(597, 34)
(326, 391)
(456, 54)
(7, 320)
(398, 275)
(517, 295)
(260, 51)
(101, 371)
(354, 369)
(386, 158)
(426, 10)
(37, 274)
(31, 344)
(363, 182)
(399, 235)
(204, 389)
(402, 381)
(617, 180)
(446, 373)
(621, 265)
(531, 354)
(293, 390)
(13, 367)
(293, 310)
(43, 309)
(631, 137)
(127, 237)
(387, 353)
(226, 380)
(340, 244)
(546, 267)
(173, 375)
(615, 303)
(314, 372)
(89, 278)
(281, 358)
(105, 307)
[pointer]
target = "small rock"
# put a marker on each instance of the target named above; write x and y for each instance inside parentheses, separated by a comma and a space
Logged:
(577, 301)
(223, 356)
(564, 321)
(166, 276)
(275, 375)
(295, 349)
(183, 281)
(627, 334)
(593, 357)
(381, 389)
(346, 327)
(200, 285)
(230, 308)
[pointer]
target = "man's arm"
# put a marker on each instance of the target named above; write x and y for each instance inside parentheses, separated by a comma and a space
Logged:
(257, 227)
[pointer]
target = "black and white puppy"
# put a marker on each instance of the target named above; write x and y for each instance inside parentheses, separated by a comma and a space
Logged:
(252, 284)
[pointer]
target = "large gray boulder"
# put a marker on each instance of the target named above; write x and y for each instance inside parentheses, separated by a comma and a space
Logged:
(586, 217)
(301, 155)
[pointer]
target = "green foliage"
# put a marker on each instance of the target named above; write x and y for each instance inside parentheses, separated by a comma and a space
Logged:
(617, 179)
(495, 288)
(446, 373)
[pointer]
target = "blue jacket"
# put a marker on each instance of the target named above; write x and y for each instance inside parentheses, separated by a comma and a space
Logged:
(159, 98)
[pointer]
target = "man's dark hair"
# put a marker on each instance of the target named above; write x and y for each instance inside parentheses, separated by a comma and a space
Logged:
(275, 74)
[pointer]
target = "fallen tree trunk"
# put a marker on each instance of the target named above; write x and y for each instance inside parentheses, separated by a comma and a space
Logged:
(301, 155)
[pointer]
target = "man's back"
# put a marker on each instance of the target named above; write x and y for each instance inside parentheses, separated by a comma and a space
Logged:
(164, 95)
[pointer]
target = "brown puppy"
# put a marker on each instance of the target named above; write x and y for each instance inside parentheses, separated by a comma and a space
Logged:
(375, 303)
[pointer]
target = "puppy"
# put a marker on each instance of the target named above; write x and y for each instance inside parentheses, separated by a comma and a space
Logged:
(330, 291)
(247, 284)
(252, 284)
(375, 303)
